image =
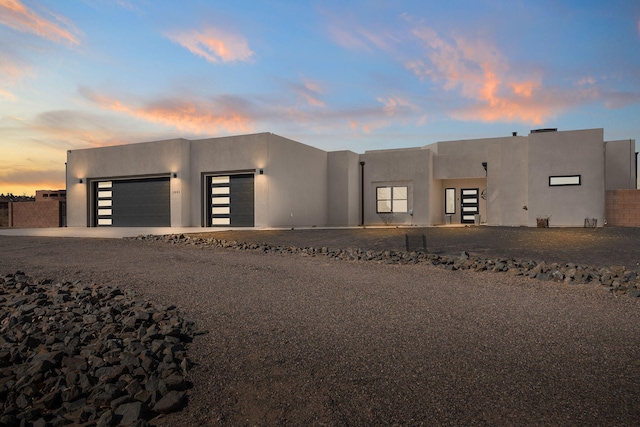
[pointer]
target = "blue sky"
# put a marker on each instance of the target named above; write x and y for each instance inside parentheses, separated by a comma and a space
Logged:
(356, 75)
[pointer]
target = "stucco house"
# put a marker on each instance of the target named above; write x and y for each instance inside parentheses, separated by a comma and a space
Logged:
(265, 180)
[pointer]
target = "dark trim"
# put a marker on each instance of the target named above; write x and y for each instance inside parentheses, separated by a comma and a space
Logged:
(362, 193)
(229, 172)
(454, 201)
(565, 176)
(90, 200)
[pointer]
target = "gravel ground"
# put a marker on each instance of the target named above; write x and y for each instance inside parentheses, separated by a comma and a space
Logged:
(601, 247)
(312, 341)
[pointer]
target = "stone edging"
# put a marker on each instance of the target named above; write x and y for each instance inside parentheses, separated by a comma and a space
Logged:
(615, 279)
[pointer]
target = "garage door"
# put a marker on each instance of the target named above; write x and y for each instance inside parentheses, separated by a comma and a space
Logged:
(133, 203)
(230, 201)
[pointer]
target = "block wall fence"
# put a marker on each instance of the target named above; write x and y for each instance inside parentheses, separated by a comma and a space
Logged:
(35, 214)
(623, 208)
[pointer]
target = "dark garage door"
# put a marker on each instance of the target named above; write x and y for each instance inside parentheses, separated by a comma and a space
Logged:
(134, 203)
(231, 200)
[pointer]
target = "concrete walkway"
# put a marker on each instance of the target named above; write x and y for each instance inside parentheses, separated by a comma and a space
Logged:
(120, 232)
(101, 232)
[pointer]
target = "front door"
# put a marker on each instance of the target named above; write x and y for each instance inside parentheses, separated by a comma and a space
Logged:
(469, 205)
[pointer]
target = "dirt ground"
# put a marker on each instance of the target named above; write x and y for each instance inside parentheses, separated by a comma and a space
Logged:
(315, 341)
(597, 247)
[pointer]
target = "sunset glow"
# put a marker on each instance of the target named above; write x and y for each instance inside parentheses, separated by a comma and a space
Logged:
(16, 15)
(214, 45)
(335, 75)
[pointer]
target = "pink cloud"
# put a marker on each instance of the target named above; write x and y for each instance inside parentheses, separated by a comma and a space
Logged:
(480, 73)
(359, 39)
(615, 100)
(26, 180)
(310, 91)
(394, 105)
(198, 117)
(13, 68)
(524, 89)
(351, 35)
(347, 39)
(7, 95)
(394, 109)
(214, 45)
(19, 17)
(584, 81)
(10, 70)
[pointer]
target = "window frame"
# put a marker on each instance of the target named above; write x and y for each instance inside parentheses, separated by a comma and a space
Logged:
(552, 184)
(392, 199)
(446, 198)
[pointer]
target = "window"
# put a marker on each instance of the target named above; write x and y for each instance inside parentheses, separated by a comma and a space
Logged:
(449, 201)
(391, 200)
(565, 180)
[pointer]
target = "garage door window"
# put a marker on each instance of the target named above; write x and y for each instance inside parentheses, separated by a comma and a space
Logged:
(104, 195)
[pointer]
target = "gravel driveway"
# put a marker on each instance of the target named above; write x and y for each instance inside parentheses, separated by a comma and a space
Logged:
(312, 341)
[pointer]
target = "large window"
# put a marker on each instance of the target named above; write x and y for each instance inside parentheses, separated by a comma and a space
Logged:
(391, 200)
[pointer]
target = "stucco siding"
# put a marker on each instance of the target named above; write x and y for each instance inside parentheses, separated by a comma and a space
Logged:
(143, 159)
(436, 198)
(343, 191)
(299, 185)
(228, 155)
(297, 180)
(507, 186)
(560, 154)
(182, 189)
(621, 164)
(408, 168)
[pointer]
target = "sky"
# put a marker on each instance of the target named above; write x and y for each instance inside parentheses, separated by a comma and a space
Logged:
(337, 75)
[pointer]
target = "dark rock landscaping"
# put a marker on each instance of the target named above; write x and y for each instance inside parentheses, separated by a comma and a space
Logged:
(616, 279)
(88, 355)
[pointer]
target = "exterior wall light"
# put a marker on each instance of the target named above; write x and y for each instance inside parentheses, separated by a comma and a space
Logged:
(261, 171)
(175, 175)
(80, 181)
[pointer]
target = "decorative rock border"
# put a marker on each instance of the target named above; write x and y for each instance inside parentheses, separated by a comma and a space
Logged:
(88, 355)
(615, 279)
